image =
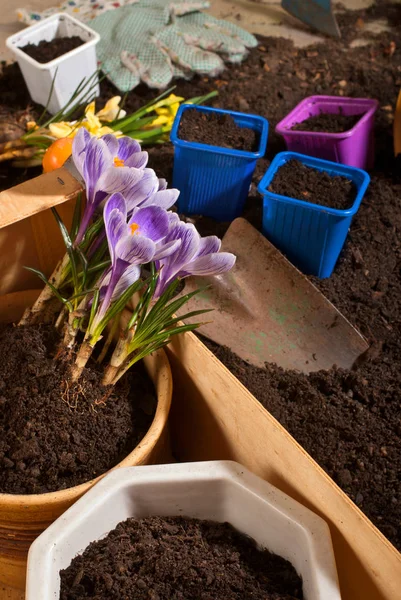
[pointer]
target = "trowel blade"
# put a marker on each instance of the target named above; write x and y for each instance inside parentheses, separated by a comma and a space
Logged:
(265, 310)
(315, 13)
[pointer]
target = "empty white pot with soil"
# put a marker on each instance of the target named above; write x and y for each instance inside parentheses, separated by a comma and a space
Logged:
(67, 71)
(221, 491)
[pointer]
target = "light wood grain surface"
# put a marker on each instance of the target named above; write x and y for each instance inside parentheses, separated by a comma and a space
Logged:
(11, 594)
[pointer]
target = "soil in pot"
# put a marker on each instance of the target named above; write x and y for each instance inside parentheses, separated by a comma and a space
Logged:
(54, 436)
(45, 51)
(328, 123)
(216, 129)
(296, 180)
(174, 558)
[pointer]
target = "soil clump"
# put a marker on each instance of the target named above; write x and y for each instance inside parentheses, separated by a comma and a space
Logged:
(176, 557)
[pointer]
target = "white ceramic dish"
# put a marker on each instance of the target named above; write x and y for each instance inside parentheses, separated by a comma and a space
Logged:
(69, 69)
(217, 490)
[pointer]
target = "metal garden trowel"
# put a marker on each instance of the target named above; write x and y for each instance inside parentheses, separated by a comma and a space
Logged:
(315, 13)
(265, 310)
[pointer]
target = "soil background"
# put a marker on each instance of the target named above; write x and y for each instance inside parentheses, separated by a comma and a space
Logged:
(350, 422)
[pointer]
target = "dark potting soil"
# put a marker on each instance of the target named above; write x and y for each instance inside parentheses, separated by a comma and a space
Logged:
(54, 436)
(174, 558)
(44, 52)
(366, 283)
(328, 123)
(296, 180)
(216, 130)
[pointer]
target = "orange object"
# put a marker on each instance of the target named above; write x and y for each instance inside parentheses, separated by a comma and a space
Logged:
(56, 155)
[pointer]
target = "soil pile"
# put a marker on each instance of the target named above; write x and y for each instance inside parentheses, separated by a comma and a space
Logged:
(174, 558)
(216, 130)
(296, 180)
(54, 436)
(328, 123)
(45, 51)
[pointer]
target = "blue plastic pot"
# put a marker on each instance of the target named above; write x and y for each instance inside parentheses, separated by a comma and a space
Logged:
(215, 181)
(311, 236)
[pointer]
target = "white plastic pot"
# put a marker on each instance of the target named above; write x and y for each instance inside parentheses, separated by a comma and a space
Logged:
(72, 67)
(217, 490)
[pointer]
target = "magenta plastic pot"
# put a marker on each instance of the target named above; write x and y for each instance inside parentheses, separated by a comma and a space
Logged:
(354, 147)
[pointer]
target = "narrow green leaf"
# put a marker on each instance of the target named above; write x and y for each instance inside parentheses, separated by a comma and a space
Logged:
(76, 217)
(69, 248)
(51, 286)
(94, 307)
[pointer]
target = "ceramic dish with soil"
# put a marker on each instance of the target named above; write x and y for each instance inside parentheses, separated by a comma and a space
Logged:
(173, 558)
(296, 180)
(366, 284)
(54, 436)
(328, 123)
(216, 129)
(45, 52)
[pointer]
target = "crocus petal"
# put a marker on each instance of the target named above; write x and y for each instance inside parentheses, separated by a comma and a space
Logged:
(79, 144)
(97, 161)
(126, 147)
(116, 227)
(208, 245)
(138, 193)
(112, 143)
(163, 198)
(135, 249)
(171, 265)
(114, 179)
(162, 184)
(163, 250)
(152, 222)
(212, 264)
(130, 275)
(116, 201)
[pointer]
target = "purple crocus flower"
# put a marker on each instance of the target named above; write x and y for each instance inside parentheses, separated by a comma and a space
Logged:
(107, 165)
(150, 190)
(195, 255)
(131, 245)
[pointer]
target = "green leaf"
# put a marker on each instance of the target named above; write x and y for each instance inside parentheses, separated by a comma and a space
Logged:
(116, 308)
(94, 307)
(51, 286)
(69, 248)
(77, 217)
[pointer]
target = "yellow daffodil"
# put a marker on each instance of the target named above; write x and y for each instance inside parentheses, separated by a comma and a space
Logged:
(166, 111)
(31, 125)
(111, 110)
(62, 129)
(93, 123)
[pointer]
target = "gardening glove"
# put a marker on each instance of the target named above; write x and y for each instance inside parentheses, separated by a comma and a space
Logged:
(154, 41)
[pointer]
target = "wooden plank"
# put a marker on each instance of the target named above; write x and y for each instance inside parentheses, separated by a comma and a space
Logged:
(7, 593)
(215, 417)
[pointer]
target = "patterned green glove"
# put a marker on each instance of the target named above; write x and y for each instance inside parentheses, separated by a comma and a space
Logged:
(153, 41)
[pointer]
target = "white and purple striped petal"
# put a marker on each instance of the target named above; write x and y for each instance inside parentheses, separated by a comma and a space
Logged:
(211, 264)
(151, 222)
